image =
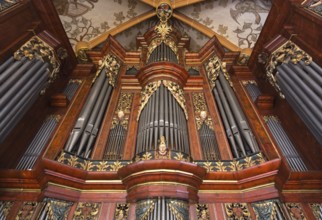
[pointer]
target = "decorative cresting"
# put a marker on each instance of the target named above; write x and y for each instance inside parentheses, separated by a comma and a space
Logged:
(164, 114)
(122, 211)
(113, 165)
(205, 128)
(54, 209)
(232, 165)
(84, 133)
(295, 211)
(118, 132)
(237, 211)
(202, 212)
(162, 178)
(37, 49)
(268, 210)
(87, 210)
(162, 208)
(26, 210)
(241, 139)
(288, 52)
(91, 165)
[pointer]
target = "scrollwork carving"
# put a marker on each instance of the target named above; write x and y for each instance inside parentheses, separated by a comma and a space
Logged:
(201, 111)
(288, 52)
(146, 93)
(111, 66)
(36, 48)
(177, 93)
(213, 68)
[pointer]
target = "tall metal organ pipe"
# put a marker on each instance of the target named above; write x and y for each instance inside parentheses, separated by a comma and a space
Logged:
(239, 134)
(21, 83)
(162, 116)
(83, 135)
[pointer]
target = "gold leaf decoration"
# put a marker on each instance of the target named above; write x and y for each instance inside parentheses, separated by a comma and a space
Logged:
(208, 165)
(146, 93)
(288, 52)
(116, 165)
(178, 94)
(146, 156)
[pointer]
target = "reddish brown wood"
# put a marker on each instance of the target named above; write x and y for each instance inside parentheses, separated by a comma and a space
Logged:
(195, 148)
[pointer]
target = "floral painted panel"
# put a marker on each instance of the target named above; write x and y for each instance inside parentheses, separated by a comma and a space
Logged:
(240, 21)
(84, 20)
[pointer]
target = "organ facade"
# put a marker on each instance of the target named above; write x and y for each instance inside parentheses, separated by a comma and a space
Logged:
(160, 132)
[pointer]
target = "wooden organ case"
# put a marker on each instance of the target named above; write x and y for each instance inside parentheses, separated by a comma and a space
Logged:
(159, 133)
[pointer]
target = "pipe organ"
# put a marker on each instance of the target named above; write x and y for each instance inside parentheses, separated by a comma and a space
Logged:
(160, 132)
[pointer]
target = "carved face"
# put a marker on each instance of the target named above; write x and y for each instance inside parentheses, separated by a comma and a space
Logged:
(203, 115)
(120, 115)
(162, 149)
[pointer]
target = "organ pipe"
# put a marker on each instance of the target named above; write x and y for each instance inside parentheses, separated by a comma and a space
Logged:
(83, 135)
(22, 82)
(241, 139)
(301, 85)
(285, 144)
(162, 115)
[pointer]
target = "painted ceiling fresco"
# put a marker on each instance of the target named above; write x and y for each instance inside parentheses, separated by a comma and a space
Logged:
(239, 21)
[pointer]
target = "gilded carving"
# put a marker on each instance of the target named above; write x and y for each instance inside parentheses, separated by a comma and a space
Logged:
(214, 68)
(57, 209)
(124, 102)
(177, 93)
(288, 52)
(157, 41)
(203, 212)
(144, 208)
(146, 93)
(90, 165)
(121, 212)
(123, 108)
(111, 66)
(265, 210)
(36, 48)
(295, 211)
(316, 209)
(86, 210)
(179, 209)
(201, 111)
(246, 82)
(237, 211)
(26, 211)
(232, 165)
(6, 206)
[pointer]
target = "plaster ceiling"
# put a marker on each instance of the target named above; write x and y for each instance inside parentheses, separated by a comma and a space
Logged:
(236, 23)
